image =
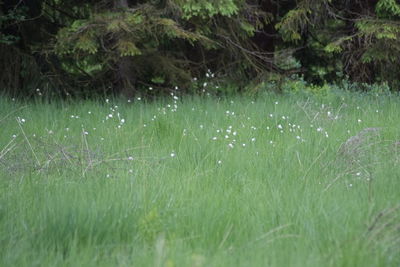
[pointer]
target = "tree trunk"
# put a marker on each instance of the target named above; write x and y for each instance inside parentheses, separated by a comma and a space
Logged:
(265, 38)
(120, 4)
(125, 75)
(126, 79)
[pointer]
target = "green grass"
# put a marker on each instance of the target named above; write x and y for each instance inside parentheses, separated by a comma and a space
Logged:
(159, 191)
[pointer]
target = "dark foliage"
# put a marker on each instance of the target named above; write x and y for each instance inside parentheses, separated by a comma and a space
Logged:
(126, 46)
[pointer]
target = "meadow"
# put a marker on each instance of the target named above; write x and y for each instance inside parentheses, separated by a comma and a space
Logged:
(273, 180)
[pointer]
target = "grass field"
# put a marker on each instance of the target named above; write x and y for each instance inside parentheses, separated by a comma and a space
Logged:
(271, 181)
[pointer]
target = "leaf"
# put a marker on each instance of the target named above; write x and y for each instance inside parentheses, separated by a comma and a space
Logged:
(127, 48)
(87, 44)
(158, 80)
(247, 27)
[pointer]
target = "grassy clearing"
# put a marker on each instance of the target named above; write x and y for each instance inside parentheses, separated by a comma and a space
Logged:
(235, 182)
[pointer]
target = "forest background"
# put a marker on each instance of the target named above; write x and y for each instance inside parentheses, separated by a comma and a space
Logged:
(86, 48)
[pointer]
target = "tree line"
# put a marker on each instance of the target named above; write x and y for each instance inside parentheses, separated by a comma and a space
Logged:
(128, 46)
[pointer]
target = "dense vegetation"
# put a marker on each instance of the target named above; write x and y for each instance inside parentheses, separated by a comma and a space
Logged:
(271, 181)
(128, 46)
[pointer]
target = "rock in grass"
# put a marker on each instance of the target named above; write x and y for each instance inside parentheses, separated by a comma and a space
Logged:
(354, 146)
